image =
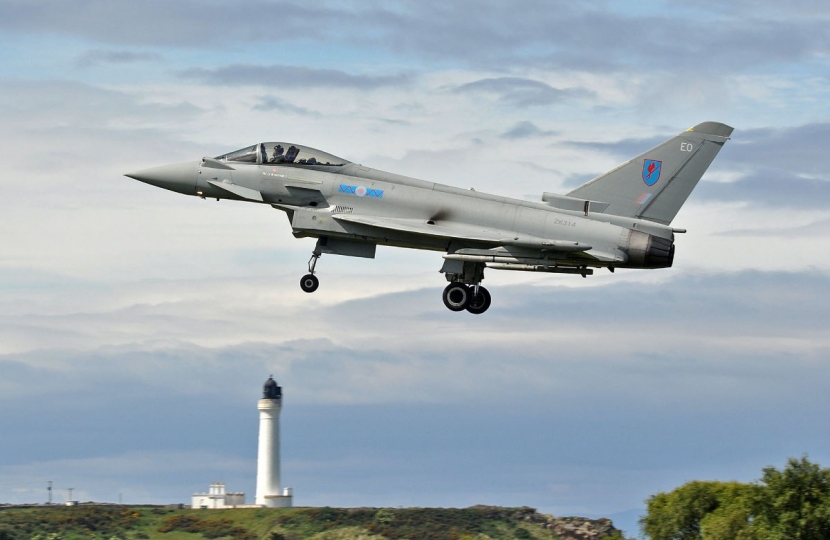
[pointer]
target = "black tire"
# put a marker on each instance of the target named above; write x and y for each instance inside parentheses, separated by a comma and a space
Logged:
(309, 283)
(479, 303)
(456, 296)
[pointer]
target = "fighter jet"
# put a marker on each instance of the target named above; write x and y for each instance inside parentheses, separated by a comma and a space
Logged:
(621, 219)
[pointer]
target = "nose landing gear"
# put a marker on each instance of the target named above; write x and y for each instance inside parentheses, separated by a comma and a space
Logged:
(309, 282)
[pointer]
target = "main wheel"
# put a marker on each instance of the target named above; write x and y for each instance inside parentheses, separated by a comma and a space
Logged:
(479, 302)
(309, 283)
(456, 296)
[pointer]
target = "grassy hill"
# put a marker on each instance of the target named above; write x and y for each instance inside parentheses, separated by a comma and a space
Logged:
(109, 522)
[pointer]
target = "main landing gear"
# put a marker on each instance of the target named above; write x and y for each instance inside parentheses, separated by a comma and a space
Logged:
(309, 282)
(458, 297)
(465, 290)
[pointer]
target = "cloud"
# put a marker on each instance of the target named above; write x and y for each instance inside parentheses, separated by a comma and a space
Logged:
(587, 36)
(816, 229)
(816, 9)
(201, 338)
(626, 148)
(783, 167)
(284, 76)
(521, 92)
(119, 57)
(533, 391)
(182, 23)
(53, 105)
(273, 103)
(800, 150)
(525, 129)
(797, 150)
(771, 190)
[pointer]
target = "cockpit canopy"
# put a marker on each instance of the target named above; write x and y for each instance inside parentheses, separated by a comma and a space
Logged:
(281, 153)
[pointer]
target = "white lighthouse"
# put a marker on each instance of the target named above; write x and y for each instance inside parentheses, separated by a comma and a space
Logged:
(268, 491)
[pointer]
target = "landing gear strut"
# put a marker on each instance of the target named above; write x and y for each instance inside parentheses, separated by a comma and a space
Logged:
(309, 282)
(480, 301)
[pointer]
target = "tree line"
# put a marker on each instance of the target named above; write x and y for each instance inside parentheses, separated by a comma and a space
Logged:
(788, 504)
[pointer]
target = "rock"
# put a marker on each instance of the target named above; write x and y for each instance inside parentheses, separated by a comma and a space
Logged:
(579, 528)
(566, 528)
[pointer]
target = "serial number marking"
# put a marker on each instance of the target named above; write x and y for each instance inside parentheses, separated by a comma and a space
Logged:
(564, 223)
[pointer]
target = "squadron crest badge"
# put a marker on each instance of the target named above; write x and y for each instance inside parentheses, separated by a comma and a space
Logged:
(651, 171)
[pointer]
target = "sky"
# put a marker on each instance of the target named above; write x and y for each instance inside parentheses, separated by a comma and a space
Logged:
(138, 325)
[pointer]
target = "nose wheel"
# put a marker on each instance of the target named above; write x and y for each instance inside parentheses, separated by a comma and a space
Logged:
(309, 282)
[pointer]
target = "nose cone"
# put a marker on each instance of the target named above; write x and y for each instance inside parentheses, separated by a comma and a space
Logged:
(179, 177)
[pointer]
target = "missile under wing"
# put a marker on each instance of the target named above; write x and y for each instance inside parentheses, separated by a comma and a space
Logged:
(621, 219)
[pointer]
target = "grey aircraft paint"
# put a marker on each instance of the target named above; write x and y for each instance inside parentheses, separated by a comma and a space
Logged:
(620, 219)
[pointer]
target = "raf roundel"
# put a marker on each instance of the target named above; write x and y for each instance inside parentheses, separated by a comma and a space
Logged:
(360, 191)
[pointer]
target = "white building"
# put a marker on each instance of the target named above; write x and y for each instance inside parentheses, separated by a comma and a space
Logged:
(268, 491)
(217, 497)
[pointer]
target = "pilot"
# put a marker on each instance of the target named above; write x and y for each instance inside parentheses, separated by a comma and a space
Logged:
(278, 154)
(291, 155)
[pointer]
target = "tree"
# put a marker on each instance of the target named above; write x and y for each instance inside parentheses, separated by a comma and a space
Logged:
(794, 504)
(721, 509)
(730, 521)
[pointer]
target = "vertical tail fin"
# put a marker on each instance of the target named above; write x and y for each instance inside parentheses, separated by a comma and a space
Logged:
(654, 185)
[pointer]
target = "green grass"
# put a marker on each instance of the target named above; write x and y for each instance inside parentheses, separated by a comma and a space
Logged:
(157, 523)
